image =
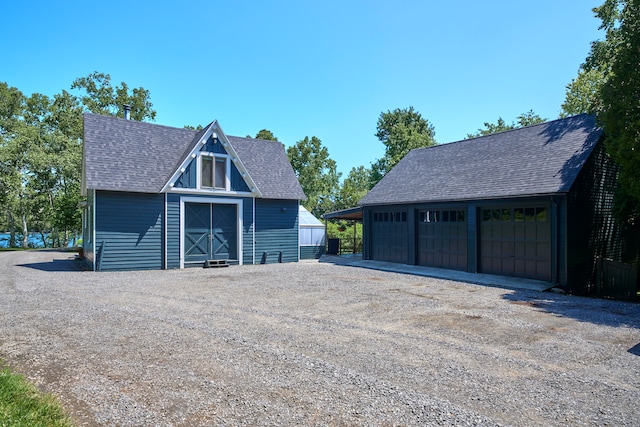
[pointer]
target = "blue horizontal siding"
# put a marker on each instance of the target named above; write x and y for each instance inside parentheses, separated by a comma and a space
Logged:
(311, 252)
(276, 230)
(129, 231)
(173, 231)
(247, 231)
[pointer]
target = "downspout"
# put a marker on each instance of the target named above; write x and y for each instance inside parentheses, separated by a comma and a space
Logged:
(253, 232)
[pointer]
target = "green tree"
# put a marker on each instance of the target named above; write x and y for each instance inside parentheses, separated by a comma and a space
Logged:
(525, 119)
(266, 134)
(101, 97)
(353, 188)
(583, 93)
(400, 130)
(41, 152)
(620, 96)
(317, 174)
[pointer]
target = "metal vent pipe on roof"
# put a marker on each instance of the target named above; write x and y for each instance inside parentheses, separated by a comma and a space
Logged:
(127, 111)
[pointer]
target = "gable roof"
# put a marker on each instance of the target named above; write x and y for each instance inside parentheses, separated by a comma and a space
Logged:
(126, 155)
(536, 160)
(268, 164)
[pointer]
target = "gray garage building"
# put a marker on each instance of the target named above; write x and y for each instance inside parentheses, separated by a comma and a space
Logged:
(533, 202)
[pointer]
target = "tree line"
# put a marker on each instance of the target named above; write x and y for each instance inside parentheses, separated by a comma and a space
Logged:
(41, 136)
(41, 154)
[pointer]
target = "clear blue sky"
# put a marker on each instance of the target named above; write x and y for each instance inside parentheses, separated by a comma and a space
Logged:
(301, 68)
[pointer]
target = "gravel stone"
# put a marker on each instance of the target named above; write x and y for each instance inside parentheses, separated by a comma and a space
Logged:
(313, 343)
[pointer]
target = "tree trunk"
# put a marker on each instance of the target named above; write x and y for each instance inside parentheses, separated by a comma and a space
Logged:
(25, 232)
(43, 237)
(12, 231)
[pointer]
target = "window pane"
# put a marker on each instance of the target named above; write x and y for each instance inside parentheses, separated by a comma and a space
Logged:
(541, 214)
(496, 214)
(486, 215)
(221, 173)
(506, 215)
(435, 216)
(529, 214)
(404, 217)
(518, 214)
(445, 216)
(453, 216)
(460, 216)
(207, 171)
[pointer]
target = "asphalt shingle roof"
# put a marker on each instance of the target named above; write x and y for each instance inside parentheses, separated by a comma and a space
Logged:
(535, 160)
(126, 155)
(269, 167)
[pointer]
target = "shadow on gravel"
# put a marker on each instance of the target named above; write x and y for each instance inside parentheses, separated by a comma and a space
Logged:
(635, 350)
(55, 265)
(583, 309)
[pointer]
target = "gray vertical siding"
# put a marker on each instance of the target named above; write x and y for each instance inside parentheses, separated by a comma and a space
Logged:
(237, 182)
(276, 230)
(188, 178)
(129, 231)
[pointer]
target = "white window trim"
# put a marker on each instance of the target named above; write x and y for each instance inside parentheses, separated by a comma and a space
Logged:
(227, 161)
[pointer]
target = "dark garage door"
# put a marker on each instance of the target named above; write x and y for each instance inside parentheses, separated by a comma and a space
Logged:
(442, 239)
(389, 236)
(516, 242)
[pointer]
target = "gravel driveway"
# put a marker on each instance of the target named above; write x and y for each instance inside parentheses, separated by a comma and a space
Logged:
(313, 343)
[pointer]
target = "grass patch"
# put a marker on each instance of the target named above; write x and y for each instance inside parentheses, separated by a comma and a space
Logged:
(21, 404)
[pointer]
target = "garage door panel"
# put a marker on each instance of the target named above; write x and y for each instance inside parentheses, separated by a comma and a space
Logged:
(516, 242)
(508, 266)
(442, 238)
(389, 236)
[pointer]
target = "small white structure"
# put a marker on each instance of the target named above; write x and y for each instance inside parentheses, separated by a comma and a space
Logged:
(311, 235)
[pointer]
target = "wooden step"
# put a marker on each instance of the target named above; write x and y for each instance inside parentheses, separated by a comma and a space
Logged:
(215, 263)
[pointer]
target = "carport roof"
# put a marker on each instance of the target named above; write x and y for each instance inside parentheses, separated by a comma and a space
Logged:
(536, 160)
(352, 214)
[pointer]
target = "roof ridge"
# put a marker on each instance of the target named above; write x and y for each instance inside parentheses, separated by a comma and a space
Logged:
(548, 122)
(108, 117)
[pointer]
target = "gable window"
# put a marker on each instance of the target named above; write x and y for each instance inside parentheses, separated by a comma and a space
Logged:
(213, 172)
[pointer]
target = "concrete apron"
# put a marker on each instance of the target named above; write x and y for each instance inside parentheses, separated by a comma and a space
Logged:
(439, 273)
